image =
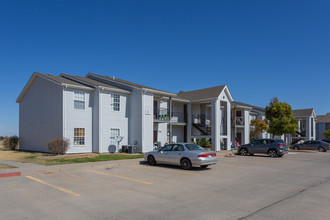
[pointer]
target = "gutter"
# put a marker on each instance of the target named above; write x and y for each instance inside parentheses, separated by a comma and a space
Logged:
(77, 87)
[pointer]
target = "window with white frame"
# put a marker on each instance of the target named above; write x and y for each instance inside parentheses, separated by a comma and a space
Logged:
(113, 133)
(79, 136)
(115, 102)
(79, 100)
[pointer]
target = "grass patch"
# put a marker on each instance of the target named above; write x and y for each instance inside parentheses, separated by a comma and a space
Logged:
(97, 158)
(31, 157)
(5, 166)
(49, 159)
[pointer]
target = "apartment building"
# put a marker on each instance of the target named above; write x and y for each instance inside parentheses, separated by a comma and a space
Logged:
(306, 125)
(101, 114)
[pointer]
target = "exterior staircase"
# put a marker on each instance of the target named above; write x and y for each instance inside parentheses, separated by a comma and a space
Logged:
(201, 124)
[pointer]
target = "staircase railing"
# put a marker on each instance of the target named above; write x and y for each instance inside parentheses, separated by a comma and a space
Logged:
(202, 123)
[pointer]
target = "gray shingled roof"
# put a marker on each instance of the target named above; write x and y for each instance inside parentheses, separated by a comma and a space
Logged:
(92, 82)
(128, 83)
(59, 79)
(324, 118)
(252, 106)
(200, 94)
(302, 112)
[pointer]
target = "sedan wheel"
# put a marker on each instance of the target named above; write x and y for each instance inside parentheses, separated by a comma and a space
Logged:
(321, 149)
(186, 164)
(272, 153)
(151, 160)
(243, 152)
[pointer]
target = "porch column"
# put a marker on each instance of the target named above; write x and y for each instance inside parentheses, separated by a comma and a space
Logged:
(170, 121)
(215, 122)
(308, 128)
(314, 121)
(189, 122)
(246, 126)
(228, 126)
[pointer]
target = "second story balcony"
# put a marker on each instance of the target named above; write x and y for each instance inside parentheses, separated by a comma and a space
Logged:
(239, 121)
(164, 115)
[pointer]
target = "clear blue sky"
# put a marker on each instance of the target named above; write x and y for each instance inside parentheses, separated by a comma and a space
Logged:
(260, 49)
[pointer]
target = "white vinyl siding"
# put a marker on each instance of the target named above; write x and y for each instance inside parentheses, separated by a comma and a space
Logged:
(79, 100)
(79, 136)
(115, 102)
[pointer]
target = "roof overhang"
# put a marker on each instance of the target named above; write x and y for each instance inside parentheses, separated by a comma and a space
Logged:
(35, 75)
(147, 90)
(102, 88)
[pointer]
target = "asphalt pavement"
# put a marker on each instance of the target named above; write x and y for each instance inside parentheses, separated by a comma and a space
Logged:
(296, 186)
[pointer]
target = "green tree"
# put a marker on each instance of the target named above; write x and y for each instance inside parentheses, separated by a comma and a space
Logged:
(279, 118)
(327, 133)
(257, 127)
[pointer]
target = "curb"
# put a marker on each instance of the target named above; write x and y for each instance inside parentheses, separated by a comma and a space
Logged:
(4, 175)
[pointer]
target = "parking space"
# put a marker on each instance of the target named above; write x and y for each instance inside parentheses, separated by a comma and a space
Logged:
(235, 188)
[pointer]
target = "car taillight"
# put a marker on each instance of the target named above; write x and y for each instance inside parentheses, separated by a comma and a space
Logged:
(281, 145)
(206, 155)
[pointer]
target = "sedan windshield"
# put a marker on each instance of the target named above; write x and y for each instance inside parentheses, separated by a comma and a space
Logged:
(194, 147)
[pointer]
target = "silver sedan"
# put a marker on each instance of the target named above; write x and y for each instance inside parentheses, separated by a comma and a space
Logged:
(184, 154)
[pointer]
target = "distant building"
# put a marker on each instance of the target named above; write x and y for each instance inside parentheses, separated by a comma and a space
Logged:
(322, 124)
(242, 115)
(306, 125)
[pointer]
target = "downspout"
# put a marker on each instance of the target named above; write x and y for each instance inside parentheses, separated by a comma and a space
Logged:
(100, 121)
(64, 110)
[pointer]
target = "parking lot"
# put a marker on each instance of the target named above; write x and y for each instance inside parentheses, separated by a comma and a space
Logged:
(296, 186)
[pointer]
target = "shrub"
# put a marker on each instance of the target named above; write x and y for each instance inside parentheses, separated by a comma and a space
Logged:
(11, 142)
(327, 133)
(203, 142)
(58, 145)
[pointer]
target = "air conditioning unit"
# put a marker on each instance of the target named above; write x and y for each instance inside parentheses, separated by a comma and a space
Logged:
(133, 149)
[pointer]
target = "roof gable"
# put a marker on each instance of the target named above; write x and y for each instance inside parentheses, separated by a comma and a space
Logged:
(303, 112)
(205, 94)
(54, 79)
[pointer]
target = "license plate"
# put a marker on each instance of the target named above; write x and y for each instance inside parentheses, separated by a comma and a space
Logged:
(209, 155)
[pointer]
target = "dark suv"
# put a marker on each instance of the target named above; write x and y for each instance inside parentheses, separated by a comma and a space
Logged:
(326, 140)
(272, 147)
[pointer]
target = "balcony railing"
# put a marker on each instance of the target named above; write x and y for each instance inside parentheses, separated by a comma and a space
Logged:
(164, 115)
(239, 121)
(178, 117)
